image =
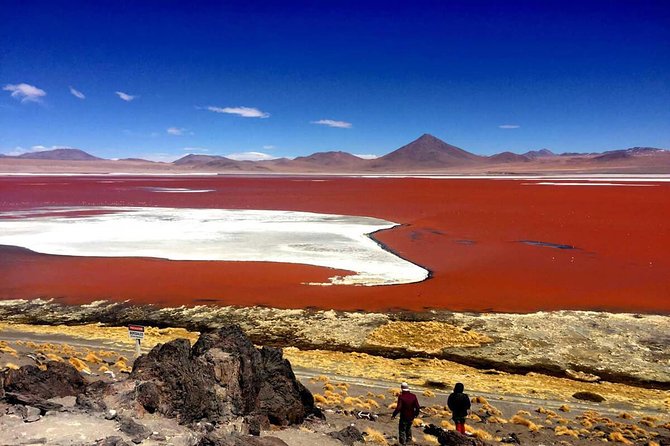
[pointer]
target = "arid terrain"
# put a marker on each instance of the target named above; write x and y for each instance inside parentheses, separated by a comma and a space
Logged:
(528, 302)
(425, 155)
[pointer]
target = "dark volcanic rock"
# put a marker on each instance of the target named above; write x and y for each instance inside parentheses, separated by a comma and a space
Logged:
(30, 400)
(92, 398)
(129, 426)
(59, 379)
(112, 441)
(282, 397)
(222, 377)
(148, 395)
(589, 396)
(452, 438)
(349, 435)
(214, 439)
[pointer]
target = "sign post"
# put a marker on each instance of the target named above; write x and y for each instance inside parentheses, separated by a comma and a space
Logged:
(136, 332)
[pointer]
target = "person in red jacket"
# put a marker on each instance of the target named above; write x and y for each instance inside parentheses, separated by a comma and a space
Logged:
(408, 408)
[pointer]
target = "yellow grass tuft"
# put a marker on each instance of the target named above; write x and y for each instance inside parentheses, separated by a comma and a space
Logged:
(431, 337)
(374, 436)
(479, 400)
(478, 433)
(474, 417)
(653, 443)
(103, 369)
(372, 403)
(93, 358)
(79, 365)
(626, 416)
(329, 387)
(564, 408)
(4, 348)
(54, 357)
(431, 439)
(322, 378)
(647, 423)
(492, 410)
(11, 365)
(122, 365)
(497, 420)
(417, 422)
(355, 402)
(523, 413)
(343, 386)
(428, 393)
(618, 436)
(448, 425)
(320, 399)
(586, 423)
(394, 392)
(391, 406)
(517, 419)
(564, 430)
(381, 396)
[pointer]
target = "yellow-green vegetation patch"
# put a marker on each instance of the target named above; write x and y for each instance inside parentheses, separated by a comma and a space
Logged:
(429, 337)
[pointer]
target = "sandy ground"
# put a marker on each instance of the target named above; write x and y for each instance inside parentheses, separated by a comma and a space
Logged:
(344, 385)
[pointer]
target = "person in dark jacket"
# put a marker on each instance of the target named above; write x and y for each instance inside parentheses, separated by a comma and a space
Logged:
(459, 403)
(408, 408)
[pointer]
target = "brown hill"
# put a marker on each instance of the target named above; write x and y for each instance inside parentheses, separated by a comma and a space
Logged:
(508, 157)
(542, 153)
(60, 154)
(427, 152)
(331, 160)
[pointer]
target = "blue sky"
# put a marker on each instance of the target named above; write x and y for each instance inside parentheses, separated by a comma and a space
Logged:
(281, 78)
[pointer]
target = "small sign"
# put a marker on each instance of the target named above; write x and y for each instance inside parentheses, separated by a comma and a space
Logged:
(136, 331)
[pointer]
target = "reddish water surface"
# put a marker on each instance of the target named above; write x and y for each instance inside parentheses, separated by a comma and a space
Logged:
(467, 232)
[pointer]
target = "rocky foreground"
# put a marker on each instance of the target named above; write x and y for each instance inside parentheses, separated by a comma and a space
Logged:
(219, 389)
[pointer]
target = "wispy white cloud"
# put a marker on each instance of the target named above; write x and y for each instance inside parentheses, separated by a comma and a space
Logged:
(195, 149)
(509, 126)
(125, 96)
(245, 112)
(176, 131)
(77, 93)
(366, 156)
(250, 156)
(25, 92)
(333, 123)
(269, 147)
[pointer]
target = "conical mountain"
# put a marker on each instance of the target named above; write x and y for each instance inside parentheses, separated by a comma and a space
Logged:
(427, 152)
(64, 154)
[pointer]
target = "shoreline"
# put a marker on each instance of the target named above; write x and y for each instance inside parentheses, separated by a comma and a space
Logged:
(560, 344)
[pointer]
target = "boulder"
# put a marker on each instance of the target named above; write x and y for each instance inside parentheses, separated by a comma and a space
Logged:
(112, 441)
(452, 438)
(239, 440)
(222, 377)
(58, 380)
(588, 396)
(349, 435)
(134, 429)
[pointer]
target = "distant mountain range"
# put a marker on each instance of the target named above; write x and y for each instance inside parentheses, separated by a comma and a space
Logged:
(427, 154)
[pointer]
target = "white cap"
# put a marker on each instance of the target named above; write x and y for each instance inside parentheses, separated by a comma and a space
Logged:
(404, 387)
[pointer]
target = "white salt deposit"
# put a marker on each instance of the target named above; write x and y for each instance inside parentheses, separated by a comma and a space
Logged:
(178, 190)
(551, 183)
(335, 241)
